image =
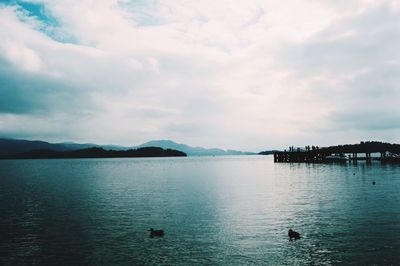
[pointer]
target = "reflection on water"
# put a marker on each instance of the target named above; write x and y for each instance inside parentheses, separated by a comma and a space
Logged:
(219, 210)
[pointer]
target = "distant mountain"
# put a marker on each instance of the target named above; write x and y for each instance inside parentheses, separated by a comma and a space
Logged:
(15, 146)
(77, 146)
(10, 146)
(191, 151)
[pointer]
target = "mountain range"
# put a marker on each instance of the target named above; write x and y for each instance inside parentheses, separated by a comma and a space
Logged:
(10, 146)
(191, 151)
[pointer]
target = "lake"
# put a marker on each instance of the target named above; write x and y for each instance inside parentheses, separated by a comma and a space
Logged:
(214, 210)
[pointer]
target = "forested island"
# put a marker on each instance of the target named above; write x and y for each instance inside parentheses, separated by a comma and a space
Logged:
(95, 153)
(363, 146)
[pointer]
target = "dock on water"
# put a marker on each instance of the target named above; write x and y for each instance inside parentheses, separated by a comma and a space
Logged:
(343, 153)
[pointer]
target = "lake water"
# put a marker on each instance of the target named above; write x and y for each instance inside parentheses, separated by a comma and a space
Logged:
(214, 210)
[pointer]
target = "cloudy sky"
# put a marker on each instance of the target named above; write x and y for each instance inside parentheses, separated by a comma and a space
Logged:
(241, 74)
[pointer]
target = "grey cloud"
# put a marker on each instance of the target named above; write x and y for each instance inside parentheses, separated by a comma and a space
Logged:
(373, 120)
(359, 42)
(16, 96)
(352, 67)
(187, 129)
(22, 92)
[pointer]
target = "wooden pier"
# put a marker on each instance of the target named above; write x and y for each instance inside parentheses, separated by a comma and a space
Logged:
(352, 153)
(298, 157)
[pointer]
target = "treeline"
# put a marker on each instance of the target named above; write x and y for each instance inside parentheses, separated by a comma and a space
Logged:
(95, 153)
(367, 146)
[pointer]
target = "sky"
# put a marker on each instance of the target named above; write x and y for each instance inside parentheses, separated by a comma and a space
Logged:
(239, 74)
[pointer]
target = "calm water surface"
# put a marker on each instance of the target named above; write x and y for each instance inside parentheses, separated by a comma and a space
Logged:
(218, 211)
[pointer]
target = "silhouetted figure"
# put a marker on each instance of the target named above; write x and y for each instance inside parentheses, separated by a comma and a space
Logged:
(157, 233)
(293, 234)
(373, 182)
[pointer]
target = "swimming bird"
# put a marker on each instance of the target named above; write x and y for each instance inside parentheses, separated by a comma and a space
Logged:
(159, 233)
(373, 182)
(293, 234)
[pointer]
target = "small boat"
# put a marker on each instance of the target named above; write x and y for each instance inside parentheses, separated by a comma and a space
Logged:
(337, 157)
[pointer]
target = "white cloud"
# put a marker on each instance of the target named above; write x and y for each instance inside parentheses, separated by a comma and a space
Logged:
(233, 74)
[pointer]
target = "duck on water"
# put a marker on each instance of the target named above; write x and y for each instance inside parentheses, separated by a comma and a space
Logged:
(293, 234)
(157, 233)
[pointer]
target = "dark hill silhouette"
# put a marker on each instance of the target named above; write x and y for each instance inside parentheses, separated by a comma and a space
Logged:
(96, 152)
(13, 146)
(9, 146)
(363, 146)
(267, 152)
